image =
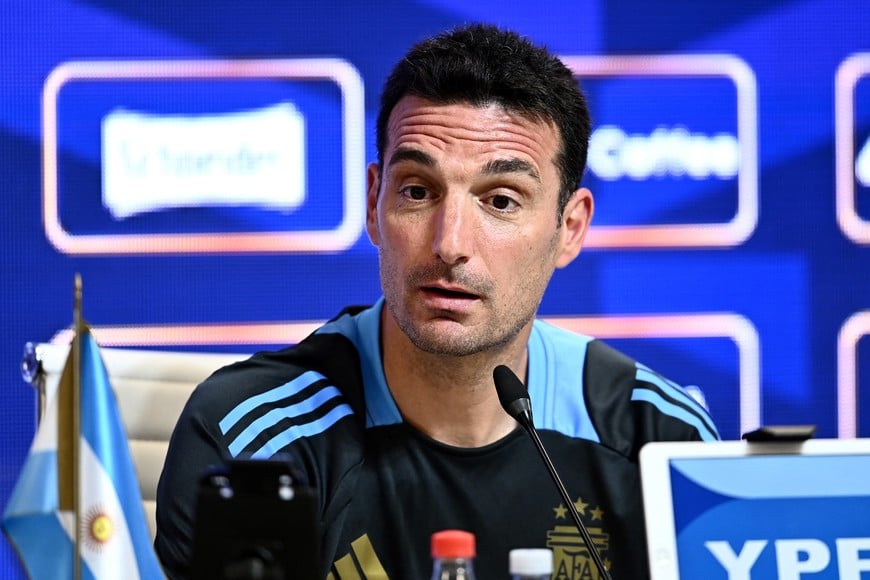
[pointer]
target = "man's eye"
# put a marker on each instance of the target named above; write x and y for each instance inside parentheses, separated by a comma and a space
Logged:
(416, 192)
(502, 202)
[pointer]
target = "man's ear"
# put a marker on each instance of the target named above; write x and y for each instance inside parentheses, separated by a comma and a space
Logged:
(372, 184)
(575, 224)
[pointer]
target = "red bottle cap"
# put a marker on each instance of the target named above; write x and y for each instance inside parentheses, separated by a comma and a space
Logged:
(453, 544)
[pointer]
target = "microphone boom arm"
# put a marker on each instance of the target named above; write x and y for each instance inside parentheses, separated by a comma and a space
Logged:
(587, 539)
(514, 399)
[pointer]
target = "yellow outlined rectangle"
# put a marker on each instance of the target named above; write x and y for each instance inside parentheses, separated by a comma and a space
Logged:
(745, 220)
(725, 325)
(353, 127)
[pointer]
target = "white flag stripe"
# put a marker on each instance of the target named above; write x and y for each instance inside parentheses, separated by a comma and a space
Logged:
(46, 432)
(108, 550)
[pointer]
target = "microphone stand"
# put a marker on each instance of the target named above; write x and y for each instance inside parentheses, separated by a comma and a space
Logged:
(587, 539)
(514, 398)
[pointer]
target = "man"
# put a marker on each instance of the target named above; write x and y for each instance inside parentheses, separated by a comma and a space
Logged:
(391, 410)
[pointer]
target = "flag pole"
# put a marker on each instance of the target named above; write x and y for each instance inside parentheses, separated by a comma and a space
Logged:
(77, 425)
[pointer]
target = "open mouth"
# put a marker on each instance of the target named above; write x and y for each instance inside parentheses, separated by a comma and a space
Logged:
(460, 294)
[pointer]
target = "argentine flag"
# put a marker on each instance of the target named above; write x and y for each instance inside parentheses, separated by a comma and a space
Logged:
(114, 538)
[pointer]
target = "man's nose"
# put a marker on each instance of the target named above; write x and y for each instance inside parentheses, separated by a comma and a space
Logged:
(454, 229)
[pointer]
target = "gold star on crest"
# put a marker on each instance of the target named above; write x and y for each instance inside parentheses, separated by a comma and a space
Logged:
(581, 507)
(561, 511)
(597, 513)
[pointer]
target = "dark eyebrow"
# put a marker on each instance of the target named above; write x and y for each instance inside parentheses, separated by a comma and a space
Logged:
(414, 155)
(511, 165)
(494, 167)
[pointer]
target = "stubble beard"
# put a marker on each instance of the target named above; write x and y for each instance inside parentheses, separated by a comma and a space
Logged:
(464, 342)
(430, 337)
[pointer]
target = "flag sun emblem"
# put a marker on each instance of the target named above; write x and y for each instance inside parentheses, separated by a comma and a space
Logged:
(99, 528)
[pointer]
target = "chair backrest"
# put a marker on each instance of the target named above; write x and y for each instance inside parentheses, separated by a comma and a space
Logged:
(151, 387)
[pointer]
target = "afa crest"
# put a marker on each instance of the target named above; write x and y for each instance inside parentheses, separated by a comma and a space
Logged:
(571, 558)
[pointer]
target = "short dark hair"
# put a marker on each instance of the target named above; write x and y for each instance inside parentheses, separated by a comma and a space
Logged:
(481, 64)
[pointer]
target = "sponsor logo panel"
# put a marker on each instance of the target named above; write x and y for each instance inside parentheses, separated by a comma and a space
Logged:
(164, 157)
(673, 153)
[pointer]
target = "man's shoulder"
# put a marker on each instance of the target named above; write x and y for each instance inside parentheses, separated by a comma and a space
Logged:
(626, 403)
(320, 361)
(652, 407)
(608, 367)
(580, 356)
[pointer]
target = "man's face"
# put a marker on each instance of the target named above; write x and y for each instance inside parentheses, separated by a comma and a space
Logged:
(465, 217)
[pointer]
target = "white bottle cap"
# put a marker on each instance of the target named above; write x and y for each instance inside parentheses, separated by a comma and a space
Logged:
(531, 561)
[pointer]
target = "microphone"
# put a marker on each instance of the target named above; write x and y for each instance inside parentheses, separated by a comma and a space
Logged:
(514, 398)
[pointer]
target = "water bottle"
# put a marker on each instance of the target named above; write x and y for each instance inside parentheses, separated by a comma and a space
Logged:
(453, 553)
(531, 564)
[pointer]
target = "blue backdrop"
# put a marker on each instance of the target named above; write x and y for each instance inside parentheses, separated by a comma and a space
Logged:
(730, 163)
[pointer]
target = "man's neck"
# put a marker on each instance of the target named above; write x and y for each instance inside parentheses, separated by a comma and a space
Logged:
(451, 399)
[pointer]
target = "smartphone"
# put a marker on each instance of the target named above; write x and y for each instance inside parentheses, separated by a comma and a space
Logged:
(256, 519)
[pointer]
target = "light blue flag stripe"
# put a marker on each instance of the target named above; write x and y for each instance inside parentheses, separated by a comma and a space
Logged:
(675, 411)
(102, 427)
(275, 415)
(303, 381)
(36, 489)
(293, 433)
(44, 546)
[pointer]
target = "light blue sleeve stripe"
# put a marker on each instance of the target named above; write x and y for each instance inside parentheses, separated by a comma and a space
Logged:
(275, 415)
(647, 375)
(675, 411)
(293, 433)
(304, 380)
(644, 373)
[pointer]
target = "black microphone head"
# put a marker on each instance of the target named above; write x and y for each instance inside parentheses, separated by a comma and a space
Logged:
(512, 394)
